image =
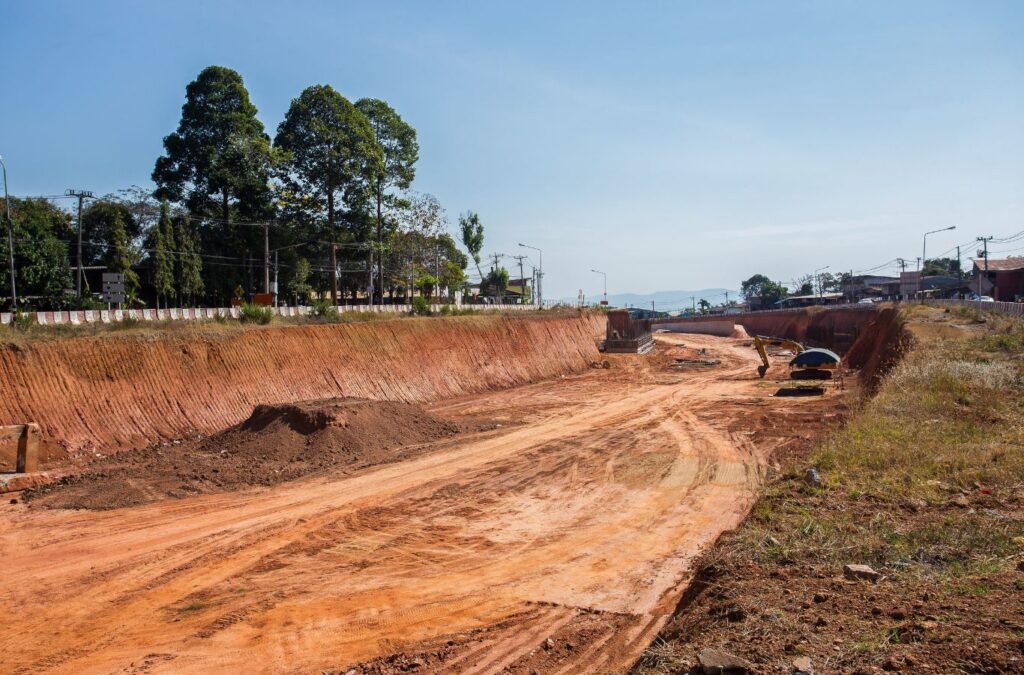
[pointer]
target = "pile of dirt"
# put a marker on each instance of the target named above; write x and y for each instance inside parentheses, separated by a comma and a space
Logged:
(739, 333)
(276, 443)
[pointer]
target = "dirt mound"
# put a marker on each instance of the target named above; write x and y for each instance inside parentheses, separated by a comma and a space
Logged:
(277, 443)
(739, 333)
(112, 392)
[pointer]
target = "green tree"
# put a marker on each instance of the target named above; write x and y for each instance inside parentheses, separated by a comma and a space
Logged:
(299, 287)
(328, 152)
(452, 276)
(120, 258)
(941, 267)
(496, 282)
(217, 164)
(761, 287)
(397, 141)
(98, 222)
(473, 238)
(220, 151)
(163, 254)
(190, 263)
(42, 267)
(704, 306)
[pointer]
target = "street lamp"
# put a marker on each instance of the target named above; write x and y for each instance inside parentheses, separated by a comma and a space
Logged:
(924, 244)
(605, 285)
(10, 239)
(818, 278)
(540, 275)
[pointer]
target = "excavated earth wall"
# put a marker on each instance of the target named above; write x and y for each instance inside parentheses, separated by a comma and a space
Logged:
(115, 392)
(832, 328)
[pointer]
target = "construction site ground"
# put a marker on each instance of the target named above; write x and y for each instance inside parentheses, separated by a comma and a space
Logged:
(924, 484)
(550, 527)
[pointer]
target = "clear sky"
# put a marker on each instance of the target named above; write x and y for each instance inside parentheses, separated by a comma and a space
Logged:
(670, 144)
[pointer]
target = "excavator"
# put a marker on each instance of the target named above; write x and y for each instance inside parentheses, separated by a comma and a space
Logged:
(807, 364)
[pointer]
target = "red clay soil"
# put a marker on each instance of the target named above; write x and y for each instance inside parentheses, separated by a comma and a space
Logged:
(113, 392)
(879, 348)
(835, 329)
(277, 443)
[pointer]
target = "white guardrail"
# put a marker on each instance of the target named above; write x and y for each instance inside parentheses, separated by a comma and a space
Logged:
(77, 317)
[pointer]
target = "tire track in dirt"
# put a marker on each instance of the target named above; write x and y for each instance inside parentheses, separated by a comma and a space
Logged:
(581, 520)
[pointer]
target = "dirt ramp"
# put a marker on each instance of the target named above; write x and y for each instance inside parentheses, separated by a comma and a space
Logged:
(276, 443)
(128, 391)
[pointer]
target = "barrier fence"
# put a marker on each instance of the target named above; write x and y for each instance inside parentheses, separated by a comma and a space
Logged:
(76, 317)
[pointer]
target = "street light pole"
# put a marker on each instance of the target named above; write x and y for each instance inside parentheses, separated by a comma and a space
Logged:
(924, 244)
(10, 240)
(605, 284)
(540, 275)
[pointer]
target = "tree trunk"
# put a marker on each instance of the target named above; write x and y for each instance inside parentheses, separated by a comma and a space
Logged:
(380, 242)
(334, 259)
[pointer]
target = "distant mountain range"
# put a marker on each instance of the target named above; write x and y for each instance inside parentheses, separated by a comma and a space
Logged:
(663, 300)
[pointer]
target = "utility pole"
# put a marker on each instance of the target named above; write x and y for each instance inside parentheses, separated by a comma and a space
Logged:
(902, 263)
(10, 240)
(984, 242)
(266, 258)
(81, 194)
(522, 281)
(540, 275)
(959, 268)
(334, 274)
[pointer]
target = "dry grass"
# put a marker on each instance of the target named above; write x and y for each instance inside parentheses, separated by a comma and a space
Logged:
(925, 483)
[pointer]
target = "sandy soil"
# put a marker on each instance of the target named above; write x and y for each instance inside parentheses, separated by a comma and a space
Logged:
(559, 542)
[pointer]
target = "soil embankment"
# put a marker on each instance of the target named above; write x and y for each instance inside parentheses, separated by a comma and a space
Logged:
(835, 329)
(116, 392)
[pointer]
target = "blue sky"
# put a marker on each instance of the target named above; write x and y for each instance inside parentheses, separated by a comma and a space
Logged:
(670, 144)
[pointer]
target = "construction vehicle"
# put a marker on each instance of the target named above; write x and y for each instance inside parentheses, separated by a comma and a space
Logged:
(806, 364)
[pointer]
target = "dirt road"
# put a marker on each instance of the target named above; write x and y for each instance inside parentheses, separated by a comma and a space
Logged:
(575, 520)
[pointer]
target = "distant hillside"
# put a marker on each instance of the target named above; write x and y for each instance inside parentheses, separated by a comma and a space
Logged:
(664, 300)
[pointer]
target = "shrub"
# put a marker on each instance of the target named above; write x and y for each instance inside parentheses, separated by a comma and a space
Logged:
(325, 310)
(446, 310)
(420, 306)
(260, 314)
(22, 320)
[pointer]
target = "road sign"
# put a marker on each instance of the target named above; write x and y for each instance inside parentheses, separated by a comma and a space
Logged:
(113, 288)
(113, 277)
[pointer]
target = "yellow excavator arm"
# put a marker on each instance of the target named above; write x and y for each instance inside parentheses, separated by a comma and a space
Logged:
(761, 341)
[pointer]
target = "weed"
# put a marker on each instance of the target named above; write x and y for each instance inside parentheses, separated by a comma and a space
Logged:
(258, 314)
(421, 306)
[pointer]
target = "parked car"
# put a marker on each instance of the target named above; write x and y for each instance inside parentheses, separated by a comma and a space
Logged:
(982, 298)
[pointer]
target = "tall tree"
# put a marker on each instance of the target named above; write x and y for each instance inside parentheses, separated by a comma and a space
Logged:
(190, 278)
(473, 238)
(217, 163)
(397, 141)
(220, 150)
(328, 151)
(120, 257)
(163, 255)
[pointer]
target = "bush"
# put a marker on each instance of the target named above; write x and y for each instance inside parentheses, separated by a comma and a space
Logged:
(325, 310)
(420, 306)
(260, 314)
(446, 310)
(22, 320)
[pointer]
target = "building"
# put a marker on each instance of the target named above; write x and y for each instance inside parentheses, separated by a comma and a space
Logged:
(872, 286)
(813, 299)
(1002, 280)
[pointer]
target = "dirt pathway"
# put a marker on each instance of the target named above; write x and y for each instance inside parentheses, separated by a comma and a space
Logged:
(576, 523)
